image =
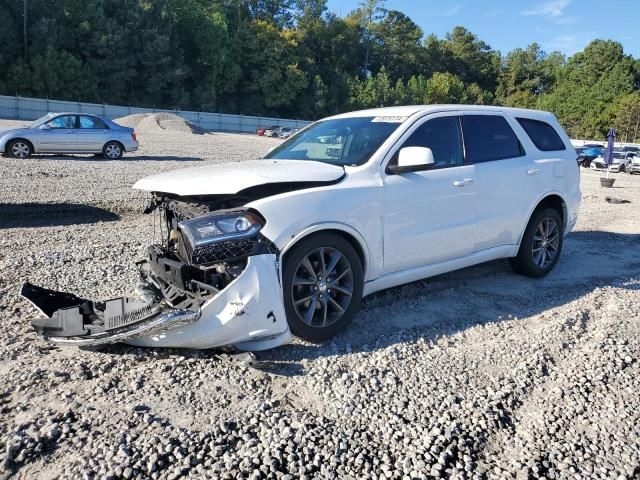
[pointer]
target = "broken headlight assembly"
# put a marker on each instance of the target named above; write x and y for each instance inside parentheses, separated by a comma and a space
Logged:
(219, 237)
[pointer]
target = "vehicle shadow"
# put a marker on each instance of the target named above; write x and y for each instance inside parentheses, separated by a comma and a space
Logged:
(125, 158)
(491, 292)
(31, 215)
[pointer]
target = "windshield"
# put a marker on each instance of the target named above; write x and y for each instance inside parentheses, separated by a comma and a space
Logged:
(618, 155)
(343, 141)
(37, 122)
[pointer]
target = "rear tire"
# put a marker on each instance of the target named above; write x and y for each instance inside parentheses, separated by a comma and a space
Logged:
(113, 151)
(322, 286)
(19, 149)
(541, 244)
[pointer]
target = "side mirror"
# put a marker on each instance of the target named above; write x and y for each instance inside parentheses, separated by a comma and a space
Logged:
(44, 126)
(412, 159)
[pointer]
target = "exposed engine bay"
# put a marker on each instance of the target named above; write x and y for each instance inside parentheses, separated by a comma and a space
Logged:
(186, 275)
(210, 279)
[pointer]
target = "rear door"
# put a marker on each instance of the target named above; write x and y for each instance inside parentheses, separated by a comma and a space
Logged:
(429, 216)
(59, 136)
(92, 134)
(508, 180)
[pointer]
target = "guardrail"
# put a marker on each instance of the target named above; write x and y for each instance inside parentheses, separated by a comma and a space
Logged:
(24, 108)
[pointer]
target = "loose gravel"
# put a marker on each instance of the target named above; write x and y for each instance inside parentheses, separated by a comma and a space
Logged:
(473, 374)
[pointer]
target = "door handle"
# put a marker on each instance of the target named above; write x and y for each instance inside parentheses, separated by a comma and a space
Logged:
(533, 171)
(463, 182)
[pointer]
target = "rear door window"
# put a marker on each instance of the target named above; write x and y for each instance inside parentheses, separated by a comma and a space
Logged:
(488, 138)
(92, 122)
(543, 135)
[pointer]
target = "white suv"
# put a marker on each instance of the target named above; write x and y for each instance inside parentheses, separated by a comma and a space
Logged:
(252, 252)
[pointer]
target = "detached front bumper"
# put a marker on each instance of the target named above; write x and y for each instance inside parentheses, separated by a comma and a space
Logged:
(248, 314)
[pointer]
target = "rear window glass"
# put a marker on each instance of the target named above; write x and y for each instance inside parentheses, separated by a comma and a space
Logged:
(543, 135)
(489, 137)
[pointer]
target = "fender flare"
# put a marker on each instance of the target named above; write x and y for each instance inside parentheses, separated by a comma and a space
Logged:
(321, 226)
(535, 205)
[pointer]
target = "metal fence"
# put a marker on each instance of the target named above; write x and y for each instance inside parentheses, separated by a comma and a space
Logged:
(22, 108)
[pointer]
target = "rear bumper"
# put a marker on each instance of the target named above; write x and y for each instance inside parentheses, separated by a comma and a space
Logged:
(248, 314)
(131, 146)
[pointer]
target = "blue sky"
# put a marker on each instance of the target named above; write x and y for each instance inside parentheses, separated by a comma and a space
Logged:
(564, 25)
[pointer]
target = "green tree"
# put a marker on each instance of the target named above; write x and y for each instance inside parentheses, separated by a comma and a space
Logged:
(445, 88)
(397, 45)
(526, 74)
(587, 87)
(626, 117)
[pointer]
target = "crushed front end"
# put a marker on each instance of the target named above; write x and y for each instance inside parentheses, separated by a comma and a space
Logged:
(209, 280)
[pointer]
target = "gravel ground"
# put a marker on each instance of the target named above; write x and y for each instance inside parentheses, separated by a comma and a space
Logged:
(473, 374)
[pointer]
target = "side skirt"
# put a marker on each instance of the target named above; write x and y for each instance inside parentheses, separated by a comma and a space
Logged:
(418, 273)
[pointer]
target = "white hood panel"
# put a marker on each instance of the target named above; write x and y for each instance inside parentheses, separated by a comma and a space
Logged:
(230, 178)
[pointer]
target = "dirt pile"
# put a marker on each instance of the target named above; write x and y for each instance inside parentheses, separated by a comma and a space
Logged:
(159, 123)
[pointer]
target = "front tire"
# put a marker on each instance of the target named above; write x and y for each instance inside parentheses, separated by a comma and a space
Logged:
(113, 151)
(322, 282)
(19, 149)
(541, 244)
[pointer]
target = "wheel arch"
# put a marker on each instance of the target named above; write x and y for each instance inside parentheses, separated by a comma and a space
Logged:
(345, 231)
(11, 140)
(114, 140)
(549, 200)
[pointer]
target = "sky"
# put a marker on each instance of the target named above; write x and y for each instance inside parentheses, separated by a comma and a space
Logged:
(563, 25)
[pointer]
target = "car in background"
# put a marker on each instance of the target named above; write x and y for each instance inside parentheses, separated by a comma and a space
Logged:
(630, 148)
(281, 132)
(289, 133)
(262, 130)
(69, 133)
(272, 131)
(634, 165)
(593, 145)
(587, 154)
(619, 162)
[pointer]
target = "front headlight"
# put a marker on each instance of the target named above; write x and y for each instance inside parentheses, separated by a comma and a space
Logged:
(208, 229)
(219, 237)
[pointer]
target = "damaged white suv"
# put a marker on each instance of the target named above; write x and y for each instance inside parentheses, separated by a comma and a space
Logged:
(250, 253)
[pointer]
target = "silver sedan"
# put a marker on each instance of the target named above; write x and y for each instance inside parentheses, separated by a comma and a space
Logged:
(69, 133)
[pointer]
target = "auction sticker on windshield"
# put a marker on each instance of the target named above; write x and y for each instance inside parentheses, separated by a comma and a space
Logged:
(389, 119)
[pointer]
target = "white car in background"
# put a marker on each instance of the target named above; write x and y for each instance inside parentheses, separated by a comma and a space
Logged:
(634, 165)
(250, 253)
(619, 163)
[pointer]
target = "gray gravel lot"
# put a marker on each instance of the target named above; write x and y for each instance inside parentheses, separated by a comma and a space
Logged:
(473, 374)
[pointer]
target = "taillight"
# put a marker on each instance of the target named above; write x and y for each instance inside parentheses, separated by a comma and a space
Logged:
(133, 135)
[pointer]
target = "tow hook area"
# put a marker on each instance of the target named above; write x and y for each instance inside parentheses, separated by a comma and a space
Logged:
(77, 321)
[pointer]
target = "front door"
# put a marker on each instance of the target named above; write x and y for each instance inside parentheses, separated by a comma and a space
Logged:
(429, 215)
(59, 136)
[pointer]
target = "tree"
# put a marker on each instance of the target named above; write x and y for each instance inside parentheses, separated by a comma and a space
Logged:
(445, 88)
(587, 87)
(397, 45)
(526, 74)
(369, 12)
(471, 59)
(626, 117)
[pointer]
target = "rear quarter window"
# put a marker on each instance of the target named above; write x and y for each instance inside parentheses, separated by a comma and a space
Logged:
(543, 135)
(488, 138)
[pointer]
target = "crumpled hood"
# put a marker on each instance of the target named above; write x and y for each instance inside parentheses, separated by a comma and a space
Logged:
(231, 178)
